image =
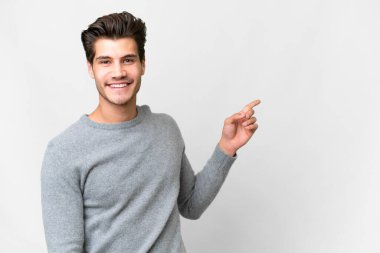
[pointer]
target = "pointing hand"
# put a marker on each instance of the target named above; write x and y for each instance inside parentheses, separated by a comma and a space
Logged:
(238, 129)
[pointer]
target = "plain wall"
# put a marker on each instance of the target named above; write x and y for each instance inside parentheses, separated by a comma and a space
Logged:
(308, 180)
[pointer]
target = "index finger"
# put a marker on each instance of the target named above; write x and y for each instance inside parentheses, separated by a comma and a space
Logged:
(251, 105)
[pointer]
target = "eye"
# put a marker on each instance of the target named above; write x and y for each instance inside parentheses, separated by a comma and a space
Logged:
(128, 61)
(104, 62)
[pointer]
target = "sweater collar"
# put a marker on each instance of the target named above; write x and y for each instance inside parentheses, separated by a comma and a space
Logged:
(142, 112)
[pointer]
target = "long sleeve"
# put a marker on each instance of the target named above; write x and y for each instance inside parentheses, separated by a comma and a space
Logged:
(62, 203)
(198, 191)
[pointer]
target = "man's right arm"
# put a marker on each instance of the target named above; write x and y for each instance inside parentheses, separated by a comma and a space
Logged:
(62, 203)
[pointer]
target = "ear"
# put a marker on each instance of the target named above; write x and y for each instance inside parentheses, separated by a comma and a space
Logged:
(143, 66)
(90, 71)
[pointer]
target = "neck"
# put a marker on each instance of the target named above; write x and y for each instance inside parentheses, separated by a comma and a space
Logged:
(106, 112)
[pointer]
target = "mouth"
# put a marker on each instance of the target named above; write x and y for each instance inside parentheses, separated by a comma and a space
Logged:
(119, 85)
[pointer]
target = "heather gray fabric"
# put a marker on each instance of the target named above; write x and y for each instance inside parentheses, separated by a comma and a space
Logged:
(121, 187)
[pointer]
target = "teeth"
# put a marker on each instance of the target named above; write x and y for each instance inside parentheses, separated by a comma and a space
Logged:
(121, 85)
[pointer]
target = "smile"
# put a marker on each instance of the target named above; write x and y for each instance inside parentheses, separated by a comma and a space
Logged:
(118, 85)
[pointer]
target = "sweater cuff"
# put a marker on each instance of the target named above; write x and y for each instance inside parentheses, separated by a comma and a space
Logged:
(218, 149)
(224, 159)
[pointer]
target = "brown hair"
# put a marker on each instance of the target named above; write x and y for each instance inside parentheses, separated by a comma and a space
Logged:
(114, 26)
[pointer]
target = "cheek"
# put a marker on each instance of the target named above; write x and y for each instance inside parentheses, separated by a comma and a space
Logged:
(137, 72)
(101, 75)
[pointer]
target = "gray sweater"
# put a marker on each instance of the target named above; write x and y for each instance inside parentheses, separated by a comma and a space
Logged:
(120, 187)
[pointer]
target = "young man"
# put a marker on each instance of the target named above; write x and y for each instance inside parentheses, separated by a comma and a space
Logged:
(117, 179)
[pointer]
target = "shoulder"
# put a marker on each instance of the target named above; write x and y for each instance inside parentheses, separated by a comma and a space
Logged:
(61, 154)
(64, 142)
(166, 125)
(166, 119)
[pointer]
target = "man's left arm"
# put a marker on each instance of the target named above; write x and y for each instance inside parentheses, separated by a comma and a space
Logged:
(198, 191)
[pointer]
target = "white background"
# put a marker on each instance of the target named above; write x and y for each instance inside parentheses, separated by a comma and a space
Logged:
(308, 181)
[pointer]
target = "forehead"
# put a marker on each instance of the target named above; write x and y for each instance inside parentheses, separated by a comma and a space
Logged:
(115, 48)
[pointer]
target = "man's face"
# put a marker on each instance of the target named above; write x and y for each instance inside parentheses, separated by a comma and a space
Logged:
(117, 70)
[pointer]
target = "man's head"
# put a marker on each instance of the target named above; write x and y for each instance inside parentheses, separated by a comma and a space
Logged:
(114, 26)
(114, 46)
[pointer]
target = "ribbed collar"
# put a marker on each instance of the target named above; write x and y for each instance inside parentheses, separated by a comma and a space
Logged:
(142, 112)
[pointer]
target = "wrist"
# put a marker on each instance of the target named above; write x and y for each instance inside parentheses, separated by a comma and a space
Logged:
(227, 149)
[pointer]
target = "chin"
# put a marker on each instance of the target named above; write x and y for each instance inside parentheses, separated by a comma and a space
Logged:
(120, 102)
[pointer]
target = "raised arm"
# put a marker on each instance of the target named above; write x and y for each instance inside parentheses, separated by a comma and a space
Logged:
(62, 203)
(198, 191)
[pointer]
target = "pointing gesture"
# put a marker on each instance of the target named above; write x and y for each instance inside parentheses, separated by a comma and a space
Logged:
(238, 129)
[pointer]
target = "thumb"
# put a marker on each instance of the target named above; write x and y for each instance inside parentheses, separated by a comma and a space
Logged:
(235, 117)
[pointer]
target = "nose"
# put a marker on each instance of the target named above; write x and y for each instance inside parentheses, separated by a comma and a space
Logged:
(118, 72)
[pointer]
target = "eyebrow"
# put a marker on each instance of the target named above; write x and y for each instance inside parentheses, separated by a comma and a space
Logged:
(105, 57)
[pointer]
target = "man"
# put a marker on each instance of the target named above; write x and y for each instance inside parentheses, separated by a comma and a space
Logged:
(117, 179)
